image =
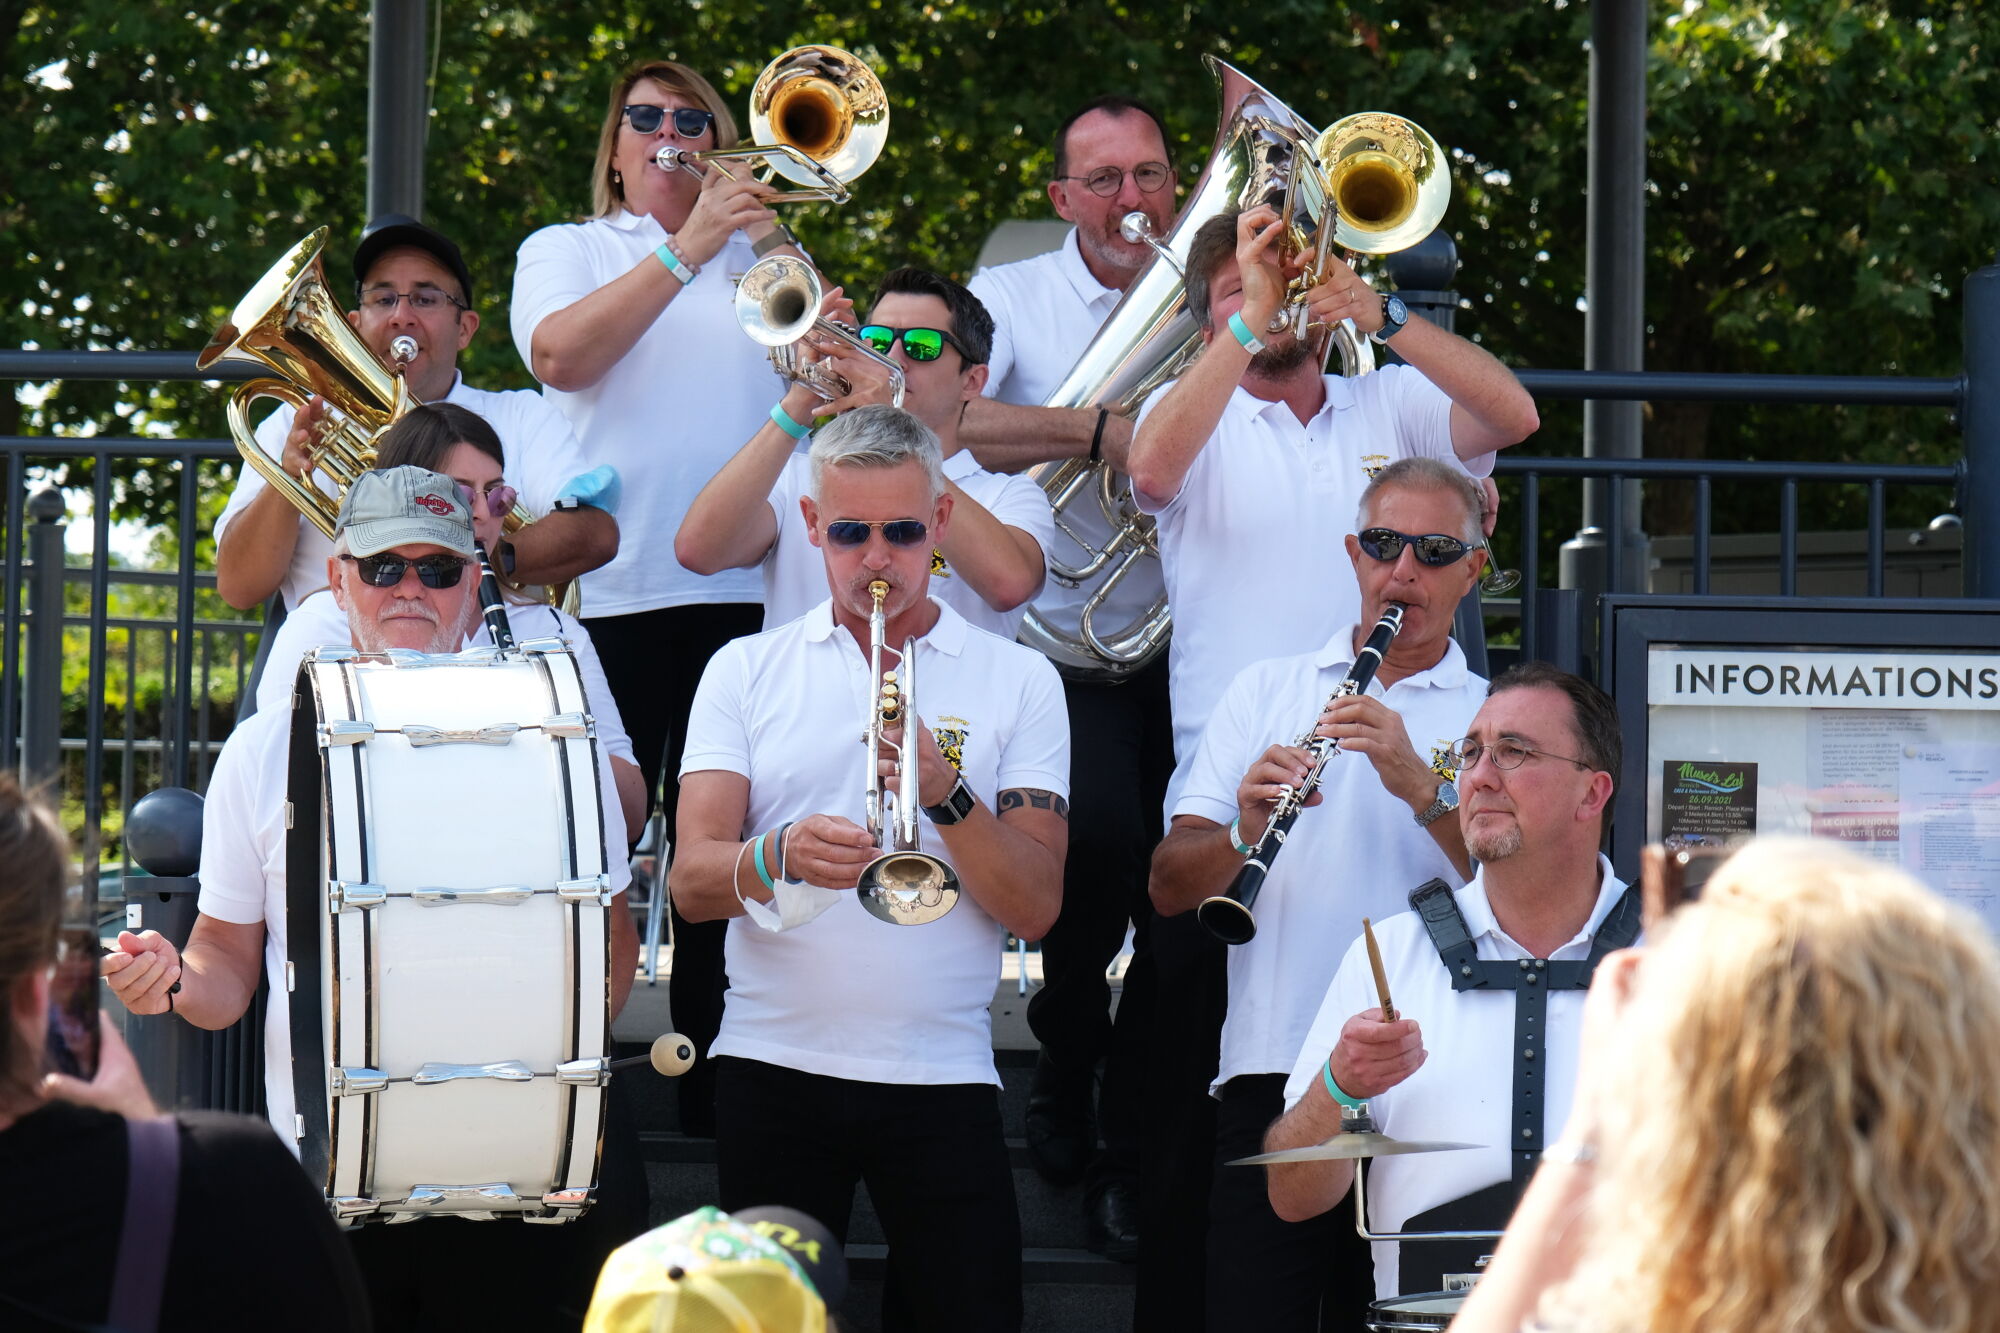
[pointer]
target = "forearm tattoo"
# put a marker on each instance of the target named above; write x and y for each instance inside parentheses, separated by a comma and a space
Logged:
(1014, 798)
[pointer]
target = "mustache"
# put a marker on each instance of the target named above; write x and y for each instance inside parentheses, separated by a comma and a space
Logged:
(407, 608)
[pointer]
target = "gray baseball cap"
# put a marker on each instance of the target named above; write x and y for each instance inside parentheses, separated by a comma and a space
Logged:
(404, 506)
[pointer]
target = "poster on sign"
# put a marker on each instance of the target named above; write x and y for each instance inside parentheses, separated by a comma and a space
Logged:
(1895, 752)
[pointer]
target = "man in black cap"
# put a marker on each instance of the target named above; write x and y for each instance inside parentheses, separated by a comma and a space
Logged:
(411, 282)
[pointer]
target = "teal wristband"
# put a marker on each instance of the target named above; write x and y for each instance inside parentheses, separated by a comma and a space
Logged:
(1236, 837)
(1333, 1089)
(1251, 342)
(665, 254)
(786, 424)
(763, 873)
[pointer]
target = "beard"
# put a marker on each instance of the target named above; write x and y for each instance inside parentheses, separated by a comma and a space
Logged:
(1495, 846)
(373, 636)
(1281, 358)
(1110, 248)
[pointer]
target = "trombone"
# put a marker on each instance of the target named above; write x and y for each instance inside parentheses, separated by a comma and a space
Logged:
(818, 118)
(905, 885)
(777, 304)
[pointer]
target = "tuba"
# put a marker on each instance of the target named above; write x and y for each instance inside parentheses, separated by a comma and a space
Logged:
(1263, 152)
(818, 118)
(777, 304)
(289, 322)
(905, 885)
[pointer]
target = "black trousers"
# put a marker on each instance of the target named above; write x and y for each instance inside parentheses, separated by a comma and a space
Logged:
(1121, 755)
(1263, 1272)
(935, 1165)
(653, 661)
(431, 1273)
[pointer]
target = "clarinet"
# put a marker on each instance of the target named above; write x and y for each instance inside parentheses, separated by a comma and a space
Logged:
(492, 605)
(1227, 916)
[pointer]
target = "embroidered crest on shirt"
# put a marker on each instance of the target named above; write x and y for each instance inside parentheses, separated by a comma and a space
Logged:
(939, 569)
(950, 733)
(1373, 463)
(1441, 761)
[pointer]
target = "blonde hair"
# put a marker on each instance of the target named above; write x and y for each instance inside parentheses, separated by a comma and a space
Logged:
(1807, 1124)
(607, 197)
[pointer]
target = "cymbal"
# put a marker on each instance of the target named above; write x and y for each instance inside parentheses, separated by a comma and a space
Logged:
(1349, 1147)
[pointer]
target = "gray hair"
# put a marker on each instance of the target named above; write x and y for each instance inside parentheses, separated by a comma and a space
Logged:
(877, 436)
(1428, 474)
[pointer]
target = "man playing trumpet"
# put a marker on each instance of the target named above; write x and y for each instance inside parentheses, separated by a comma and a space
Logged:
(1378, 826)
(852, 1049)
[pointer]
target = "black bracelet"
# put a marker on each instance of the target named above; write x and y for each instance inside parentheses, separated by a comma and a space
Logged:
(1097, 436)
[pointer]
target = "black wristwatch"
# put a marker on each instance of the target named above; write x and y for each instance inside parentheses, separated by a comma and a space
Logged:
(1394, 316)
(956, 805)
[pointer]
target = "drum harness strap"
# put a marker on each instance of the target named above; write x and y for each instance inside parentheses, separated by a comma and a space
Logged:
(1531, 980)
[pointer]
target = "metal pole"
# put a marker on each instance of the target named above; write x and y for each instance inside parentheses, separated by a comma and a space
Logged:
(1614, 285)
(41, 716)
(398, 110)
(1979, 418)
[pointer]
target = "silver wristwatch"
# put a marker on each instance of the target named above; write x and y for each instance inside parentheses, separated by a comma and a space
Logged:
(1446, 802)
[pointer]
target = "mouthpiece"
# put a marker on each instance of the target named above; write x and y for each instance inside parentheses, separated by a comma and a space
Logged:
(1136, 227)
(403, 349)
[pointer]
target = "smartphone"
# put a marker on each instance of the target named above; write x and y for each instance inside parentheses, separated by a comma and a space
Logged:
(73, 1031)
(1674, 873)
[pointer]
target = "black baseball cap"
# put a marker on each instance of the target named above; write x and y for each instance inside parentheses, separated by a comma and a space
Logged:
(394, 230)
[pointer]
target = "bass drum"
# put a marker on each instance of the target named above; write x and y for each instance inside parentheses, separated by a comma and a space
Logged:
(447, 924)
(1426, 1310)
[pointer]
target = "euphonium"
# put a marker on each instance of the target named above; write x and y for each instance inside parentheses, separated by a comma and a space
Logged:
(777, 304)
(818, 117)
(905, 885)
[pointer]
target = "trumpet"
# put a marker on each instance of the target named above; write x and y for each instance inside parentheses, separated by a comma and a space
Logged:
(905, 885)
(818, 118)
(1227, 916)
(777, 304)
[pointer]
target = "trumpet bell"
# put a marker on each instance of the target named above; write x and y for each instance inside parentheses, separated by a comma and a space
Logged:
(908, 888)
(1387, 179)
(778, 300)
(826, 103)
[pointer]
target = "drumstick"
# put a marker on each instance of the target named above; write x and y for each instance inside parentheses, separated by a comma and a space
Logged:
(1381, 977)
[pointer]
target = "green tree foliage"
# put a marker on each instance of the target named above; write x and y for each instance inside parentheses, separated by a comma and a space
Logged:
(1818, 180)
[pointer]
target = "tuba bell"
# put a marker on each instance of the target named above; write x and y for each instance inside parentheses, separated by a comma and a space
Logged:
(1263, 151)
(818, 118)
(777, 304)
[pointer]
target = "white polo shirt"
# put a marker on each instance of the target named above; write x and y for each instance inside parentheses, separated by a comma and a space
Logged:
(795, 572)
(318, 622)
(1252, 545)
(1357, 854)
(837, 992)
(1045, 312)
(243, 872)
(1462, 1092)
(539, 457)
(667, 416)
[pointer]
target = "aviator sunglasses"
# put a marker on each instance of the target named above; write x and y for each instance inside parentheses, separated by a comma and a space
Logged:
(689, 121)
(895, 531)
(1433, 548)
(918, 344)
(386, 571)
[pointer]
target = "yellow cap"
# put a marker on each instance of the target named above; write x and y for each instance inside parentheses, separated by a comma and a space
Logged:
(704, 1273)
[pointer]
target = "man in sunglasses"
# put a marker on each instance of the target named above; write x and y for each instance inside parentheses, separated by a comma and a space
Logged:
(988, 565)
(853, 1048)
(1488, 984)
(402, 569)
(411, 282)
(1378, 826)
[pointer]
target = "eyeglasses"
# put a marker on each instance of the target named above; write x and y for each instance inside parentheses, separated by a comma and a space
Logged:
(1507, 755)
(383, 300)
(500, 497)
(1433, 548)
(689, 121)
(386, 571)
(918, 344)
(895, 531)
(1106, 181)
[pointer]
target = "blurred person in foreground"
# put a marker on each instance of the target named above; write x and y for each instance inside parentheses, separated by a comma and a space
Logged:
(1787, 1117)
(123, 1218)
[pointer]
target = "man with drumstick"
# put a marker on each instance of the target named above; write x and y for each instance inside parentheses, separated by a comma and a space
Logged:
(1378, 826)
(854, 1048)
(1489, 980)
(401, 569)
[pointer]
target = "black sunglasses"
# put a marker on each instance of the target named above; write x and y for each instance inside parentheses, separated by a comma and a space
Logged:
(895, 531)
(918, 344)
(1433, 548)
(689, 121)
(386, 571)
